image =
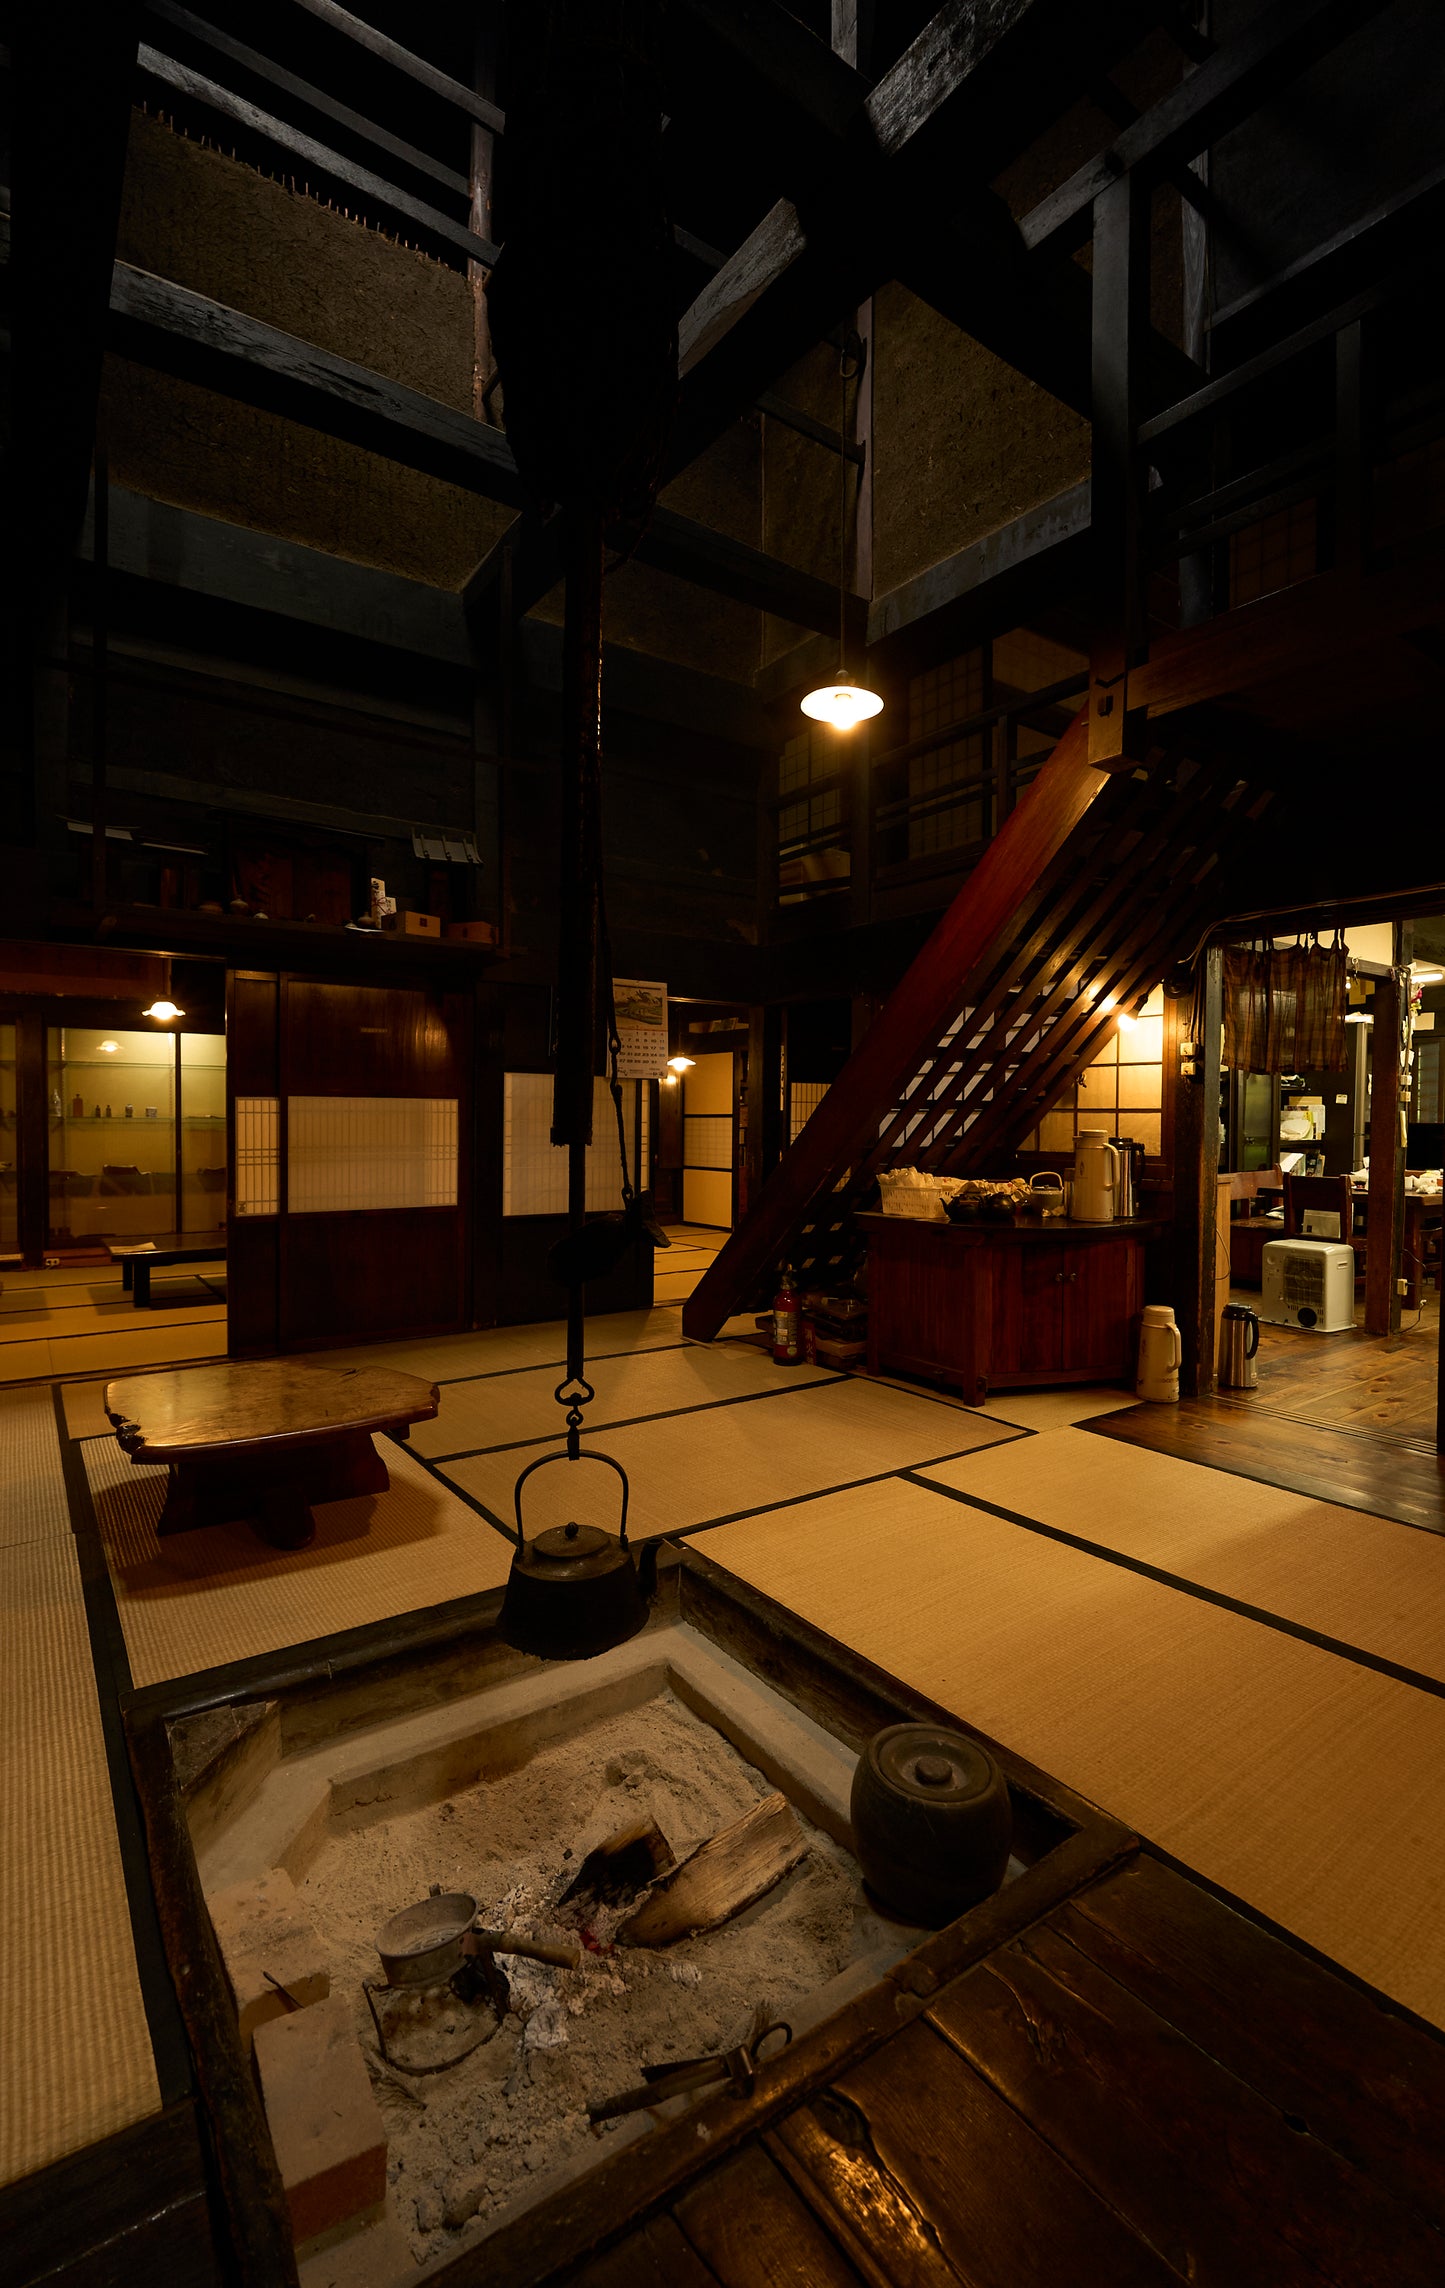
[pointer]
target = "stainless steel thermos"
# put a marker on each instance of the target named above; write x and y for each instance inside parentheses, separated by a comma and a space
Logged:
(1238, 1342)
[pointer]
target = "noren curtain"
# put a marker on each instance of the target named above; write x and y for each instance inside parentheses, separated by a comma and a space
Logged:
(1284, 1007)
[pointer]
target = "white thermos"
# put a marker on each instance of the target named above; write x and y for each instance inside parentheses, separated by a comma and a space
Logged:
(1160, 1350)
(1096, 1178)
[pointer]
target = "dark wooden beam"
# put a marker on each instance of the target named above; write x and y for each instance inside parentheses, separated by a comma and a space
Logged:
(977, 582)
(329, 163)
(314, 98)
(415, 67)
(160, 324)
(1275, 48)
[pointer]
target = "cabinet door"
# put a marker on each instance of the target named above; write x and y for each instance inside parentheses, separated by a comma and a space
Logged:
(1028, 1292)
(1099, 1304)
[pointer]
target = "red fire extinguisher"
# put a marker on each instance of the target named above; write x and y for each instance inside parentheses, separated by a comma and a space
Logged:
(787, 1323)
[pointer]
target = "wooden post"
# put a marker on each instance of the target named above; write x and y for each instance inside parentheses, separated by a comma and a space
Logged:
(1387, 1149)
(1120, 313)
(1196, 1179)
(479, 215)
(764, 1097)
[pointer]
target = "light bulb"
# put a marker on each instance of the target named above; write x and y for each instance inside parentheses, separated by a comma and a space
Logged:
(164, 1010)
(108, 1048)
(843, 704)
(680, 1064)
(1127, 1024)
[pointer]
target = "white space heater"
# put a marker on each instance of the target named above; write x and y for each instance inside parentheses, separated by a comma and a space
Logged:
(1309, 1283)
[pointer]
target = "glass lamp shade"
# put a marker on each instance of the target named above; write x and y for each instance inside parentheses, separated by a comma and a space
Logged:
(163, 1009)
(842, 703)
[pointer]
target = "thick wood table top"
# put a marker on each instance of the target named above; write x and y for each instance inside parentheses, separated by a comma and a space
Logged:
(172, 1246)
(259, 1405)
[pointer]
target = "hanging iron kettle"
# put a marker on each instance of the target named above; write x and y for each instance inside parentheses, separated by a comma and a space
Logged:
(576, 1590)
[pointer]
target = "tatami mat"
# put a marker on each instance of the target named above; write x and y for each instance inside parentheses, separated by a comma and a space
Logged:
(77, 2062)
(1362, 1579)
(196, 1600)
(508, 1408)
(32, 1491)
(1056, 1409)
(1300, 1782)
(688, 1468)
(501, 1350)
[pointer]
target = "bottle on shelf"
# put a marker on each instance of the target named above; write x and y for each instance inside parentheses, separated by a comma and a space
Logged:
(77, 1106)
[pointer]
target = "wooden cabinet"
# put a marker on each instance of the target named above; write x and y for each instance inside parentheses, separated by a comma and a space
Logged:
(999, 1306)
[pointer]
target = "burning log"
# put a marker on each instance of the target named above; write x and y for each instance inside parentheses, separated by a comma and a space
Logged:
(730, 1871)
(617, 1869)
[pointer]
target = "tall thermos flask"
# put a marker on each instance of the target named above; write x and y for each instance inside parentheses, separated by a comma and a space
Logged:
(1238, 1342)
(1160, 1350)
(1096, 1177)
(1131, 1176)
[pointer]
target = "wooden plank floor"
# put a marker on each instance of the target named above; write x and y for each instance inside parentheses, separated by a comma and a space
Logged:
(1383, 1384)
(1144, 2088)
(1228, 1433)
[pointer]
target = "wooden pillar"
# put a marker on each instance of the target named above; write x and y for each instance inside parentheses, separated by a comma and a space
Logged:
(1196, 1174)
(1120, 312)
(764, 1107)
(1388, 1084)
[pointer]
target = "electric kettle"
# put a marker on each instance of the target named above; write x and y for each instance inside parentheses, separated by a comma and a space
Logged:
(1096, 1178)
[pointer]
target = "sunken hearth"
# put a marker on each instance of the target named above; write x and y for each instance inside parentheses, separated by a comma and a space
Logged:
(607, 1873)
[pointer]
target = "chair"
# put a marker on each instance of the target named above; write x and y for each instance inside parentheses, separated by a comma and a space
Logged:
(1334, 1194)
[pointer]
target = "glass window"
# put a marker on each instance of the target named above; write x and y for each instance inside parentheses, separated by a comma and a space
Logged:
(1121, 1091)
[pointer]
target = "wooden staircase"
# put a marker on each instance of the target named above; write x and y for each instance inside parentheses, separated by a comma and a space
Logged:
(1095, 887)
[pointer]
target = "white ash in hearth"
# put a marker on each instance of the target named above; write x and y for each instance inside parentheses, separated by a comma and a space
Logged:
(484, 2136)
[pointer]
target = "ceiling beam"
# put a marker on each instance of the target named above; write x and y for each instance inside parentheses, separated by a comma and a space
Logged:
(165, 326)
(1236, 80)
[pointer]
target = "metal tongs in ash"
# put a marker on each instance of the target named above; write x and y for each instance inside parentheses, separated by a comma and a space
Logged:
(678, 2076)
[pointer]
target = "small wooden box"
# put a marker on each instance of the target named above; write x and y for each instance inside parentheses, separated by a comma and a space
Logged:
(473, 933)
(409, 924)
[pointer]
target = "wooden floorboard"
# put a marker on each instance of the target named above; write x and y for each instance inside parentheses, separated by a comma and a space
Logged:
(1375, 1474)
(1145, 2087)
(1383, 1384)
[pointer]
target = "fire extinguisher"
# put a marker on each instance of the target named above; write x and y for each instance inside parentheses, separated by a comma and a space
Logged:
(787, 1323)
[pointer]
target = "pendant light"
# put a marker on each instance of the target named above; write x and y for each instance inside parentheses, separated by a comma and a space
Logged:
(842, 702)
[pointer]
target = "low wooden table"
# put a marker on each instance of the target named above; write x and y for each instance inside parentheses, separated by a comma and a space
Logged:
(138, 1258)
(259, 1440)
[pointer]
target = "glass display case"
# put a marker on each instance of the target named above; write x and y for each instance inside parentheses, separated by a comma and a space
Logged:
(137, 1129)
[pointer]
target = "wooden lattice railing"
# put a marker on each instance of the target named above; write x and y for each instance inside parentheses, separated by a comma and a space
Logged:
(1097, 884)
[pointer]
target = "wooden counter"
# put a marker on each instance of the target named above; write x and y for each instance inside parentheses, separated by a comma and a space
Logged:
(988, 1306)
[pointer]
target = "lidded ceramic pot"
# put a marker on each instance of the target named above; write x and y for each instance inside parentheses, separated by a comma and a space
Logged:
(931, 1821)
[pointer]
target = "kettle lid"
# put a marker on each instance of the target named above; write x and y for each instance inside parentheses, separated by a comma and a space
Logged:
(1238, 1311)
(1158, 1314)
(569, 1550)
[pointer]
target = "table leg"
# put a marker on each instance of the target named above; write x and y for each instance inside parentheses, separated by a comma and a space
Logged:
(127, 1267)
(141, 1282)
(274, 1497)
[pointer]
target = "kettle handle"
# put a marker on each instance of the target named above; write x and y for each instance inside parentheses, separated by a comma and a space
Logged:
(1253, 1344)
(1117, 1179)
(1176, 1346)
(583, 1454)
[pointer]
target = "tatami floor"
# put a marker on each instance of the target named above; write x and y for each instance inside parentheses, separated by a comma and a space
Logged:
(1254, 1680)
(78, 1320)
